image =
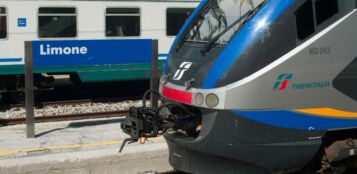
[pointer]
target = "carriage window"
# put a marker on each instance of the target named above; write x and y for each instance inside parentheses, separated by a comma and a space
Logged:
(122, 22)
(305, 20)
(325, 9)
(175, 18)
(54, 22)
(3, 23)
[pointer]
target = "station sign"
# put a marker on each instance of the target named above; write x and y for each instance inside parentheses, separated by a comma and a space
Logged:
(91, 52)
(65, 53)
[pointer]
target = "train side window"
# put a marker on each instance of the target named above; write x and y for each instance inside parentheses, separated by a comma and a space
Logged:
(57, 22)
(121, 22)
(325, 9)
(3, 23)
(305, 20)
(175, 18)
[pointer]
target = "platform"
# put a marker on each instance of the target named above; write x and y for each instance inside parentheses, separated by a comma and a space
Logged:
(86, 146)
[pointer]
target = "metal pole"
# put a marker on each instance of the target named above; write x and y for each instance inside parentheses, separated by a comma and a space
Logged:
(29, 94)
(154, 82)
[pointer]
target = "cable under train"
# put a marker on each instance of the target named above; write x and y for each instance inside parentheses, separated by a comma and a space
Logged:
(259, 86)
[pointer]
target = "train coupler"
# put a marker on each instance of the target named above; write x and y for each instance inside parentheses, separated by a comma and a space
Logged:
(147, 122)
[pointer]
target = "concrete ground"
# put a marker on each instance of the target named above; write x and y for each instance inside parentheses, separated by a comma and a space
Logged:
(86, 146)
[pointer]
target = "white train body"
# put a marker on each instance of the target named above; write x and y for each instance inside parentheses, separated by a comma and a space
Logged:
(19, 22)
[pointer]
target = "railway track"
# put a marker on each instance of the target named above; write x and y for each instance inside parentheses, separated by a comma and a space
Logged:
(6, 122)
(65, 117)
(4, 107)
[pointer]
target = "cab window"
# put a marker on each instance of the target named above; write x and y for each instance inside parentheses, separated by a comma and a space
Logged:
(325, 9)
(222, 18)
(305, 20)
(312, 14)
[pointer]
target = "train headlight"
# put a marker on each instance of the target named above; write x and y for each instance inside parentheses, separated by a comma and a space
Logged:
(199, 98)
(212, 100)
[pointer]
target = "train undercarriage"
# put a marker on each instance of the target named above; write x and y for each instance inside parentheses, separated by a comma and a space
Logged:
(13, 86)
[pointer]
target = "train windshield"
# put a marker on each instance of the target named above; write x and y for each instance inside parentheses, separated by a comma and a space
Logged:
(221, 16)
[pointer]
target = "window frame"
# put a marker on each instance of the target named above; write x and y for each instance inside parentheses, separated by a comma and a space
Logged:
(173, 36)
(7, 23)
(121, 7)
(334, 17)
(330, 17)
(312, 2)
(319, 27)
(58, 14)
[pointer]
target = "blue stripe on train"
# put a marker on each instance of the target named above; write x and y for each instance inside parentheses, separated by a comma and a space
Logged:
(294, 120)
(3, 60)
(253, 28)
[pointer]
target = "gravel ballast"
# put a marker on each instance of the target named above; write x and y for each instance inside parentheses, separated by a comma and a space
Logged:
(68, 109)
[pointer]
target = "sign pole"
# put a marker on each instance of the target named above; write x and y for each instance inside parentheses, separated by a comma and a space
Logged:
(29, 93)
(154, 81)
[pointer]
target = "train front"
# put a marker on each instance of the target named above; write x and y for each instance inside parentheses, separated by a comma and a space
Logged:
(228, 104)
(210, 70)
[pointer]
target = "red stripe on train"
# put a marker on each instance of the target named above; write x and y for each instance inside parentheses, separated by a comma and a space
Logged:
(177, 95)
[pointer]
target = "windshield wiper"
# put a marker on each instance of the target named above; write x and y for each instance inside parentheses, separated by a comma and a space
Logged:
(210, 44)
(181, 42)
(243, 18)
(197, 20)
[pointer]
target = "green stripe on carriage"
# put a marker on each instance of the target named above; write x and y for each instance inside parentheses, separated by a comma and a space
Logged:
(11, 69)
(91, 73)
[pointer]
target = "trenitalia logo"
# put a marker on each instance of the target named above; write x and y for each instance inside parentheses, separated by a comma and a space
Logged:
(182, 69)
(282, 81)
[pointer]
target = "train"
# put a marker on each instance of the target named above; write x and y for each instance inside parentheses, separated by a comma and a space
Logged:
(55, 20)
(258, 86)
